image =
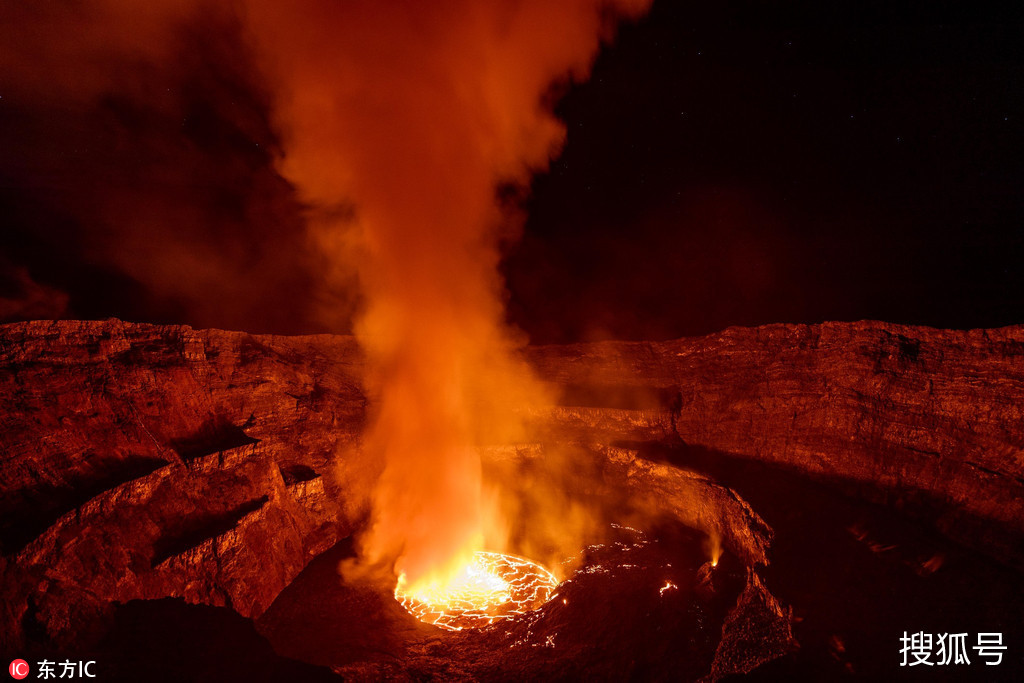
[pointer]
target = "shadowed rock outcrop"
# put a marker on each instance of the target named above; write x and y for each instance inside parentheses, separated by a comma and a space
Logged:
(923, 419)
(143, 461)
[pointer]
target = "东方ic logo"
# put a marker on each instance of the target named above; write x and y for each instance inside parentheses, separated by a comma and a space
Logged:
(18, 669)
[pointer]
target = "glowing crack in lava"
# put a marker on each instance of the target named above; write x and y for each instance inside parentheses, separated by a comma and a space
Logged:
(491, 587)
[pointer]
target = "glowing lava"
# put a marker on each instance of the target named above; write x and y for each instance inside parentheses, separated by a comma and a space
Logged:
(491, 587)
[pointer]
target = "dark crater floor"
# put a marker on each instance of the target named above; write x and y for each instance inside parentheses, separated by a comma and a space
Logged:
(859, 574)
(856, 575)
(638, 606)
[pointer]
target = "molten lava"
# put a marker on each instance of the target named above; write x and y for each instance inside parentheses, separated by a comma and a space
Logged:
(491, 587)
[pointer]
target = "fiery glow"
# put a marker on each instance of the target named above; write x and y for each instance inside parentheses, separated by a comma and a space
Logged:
(401, 121)
(715, 542)
(490, 587)
(669, 586)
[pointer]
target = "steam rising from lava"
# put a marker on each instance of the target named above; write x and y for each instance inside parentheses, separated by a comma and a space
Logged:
(400, 123)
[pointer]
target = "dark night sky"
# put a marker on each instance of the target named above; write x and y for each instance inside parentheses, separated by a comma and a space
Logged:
(728, 163)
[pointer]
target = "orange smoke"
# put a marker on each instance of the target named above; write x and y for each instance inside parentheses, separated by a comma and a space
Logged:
(137, 141)
(399, 122)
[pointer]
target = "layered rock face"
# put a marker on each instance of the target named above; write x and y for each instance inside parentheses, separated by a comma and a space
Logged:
(925, 419)
(143, 461)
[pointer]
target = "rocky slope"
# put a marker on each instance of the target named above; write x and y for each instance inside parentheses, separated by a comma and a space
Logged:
(143, 461)
(925, 419)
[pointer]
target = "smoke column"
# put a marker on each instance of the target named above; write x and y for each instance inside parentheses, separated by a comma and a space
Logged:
(158, 131)
(399, 121)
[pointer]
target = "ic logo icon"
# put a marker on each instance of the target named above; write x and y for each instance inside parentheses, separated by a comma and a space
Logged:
(18, 669)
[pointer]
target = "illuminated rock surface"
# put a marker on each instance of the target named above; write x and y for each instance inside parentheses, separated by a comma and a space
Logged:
(144, 462)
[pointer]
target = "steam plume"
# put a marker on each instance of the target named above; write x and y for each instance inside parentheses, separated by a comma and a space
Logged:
(396, 122)
(411, 114)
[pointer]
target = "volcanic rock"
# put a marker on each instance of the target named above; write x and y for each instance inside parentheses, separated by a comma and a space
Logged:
(917, 418)
(143, 461)
(146, 461)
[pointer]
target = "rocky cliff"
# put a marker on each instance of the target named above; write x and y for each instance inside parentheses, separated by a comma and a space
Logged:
(143, 461)
(923, 419)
